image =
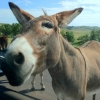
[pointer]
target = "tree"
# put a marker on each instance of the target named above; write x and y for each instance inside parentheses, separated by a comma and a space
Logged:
(5, 29)
(10, 30)
(94, 35)
(15, 29)
(98, 35)
(68, 35)
(82, 39)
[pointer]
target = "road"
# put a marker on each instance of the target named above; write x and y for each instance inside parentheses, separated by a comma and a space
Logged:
(48, 94)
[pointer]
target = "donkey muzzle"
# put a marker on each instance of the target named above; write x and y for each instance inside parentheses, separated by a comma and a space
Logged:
(12, 76)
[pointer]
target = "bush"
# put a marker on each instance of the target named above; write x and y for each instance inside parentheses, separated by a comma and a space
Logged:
(68, 35)
(83, 39)
(10, 30)
(5, 29)
(95, 35)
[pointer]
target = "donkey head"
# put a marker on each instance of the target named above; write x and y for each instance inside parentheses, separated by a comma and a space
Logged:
(38, 45)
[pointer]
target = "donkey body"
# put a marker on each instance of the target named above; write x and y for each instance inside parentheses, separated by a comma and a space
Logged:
(74, 71)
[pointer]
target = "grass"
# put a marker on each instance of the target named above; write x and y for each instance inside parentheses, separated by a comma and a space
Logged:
(78, 33)
(9, 40)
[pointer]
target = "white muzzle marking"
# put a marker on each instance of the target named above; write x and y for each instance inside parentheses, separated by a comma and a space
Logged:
(21, 45)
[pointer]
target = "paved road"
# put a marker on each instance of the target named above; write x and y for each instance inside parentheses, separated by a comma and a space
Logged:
(48, 94)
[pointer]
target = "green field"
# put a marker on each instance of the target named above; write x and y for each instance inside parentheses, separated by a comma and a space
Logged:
(9, 40)
(78, 33)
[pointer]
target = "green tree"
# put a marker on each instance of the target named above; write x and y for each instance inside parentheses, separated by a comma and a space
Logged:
(10, 30)
(5, 29)
(63, 32)
(94, 35)
(82, 39)
(15, 29)
(68, 35)
(98, 35)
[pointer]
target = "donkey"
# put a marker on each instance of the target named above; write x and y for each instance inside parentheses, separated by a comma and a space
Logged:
(74, 71)
(3, 42)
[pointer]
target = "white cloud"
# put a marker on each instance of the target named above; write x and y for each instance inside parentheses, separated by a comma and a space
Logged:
(26, 2)
(93, 5)
(89, 16)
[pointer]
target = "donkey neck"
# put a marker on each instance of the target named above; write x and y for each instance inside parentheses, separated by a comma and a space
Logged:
(67, 47)
(68, 52)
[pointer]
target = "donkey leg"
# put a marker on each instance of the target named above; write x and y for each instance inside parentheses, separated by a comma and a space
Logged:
(94, 97)
(57, 98)
(2, 46)
(33, 82)
(41, 83)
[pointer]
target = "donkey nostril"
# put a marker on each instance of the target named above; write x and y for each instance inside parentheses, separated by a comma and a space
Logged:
(19, 58)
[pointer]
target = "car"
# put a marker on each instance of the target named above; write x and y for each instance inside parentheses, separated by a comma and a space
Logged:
(2, 54)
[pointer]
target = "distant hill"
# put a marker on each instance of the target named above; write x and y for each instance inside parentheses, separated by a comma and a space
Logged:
(81, 30)
(1, 23)
(84, 28)
(77, 28)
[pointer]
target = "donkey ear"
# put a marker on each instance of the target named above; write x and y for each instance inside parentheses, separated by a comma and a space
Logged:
(64, 18)
(22, 16)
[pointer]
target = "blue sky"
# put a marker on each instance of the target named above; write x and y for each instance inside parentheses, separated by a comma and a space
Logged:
(89, 17)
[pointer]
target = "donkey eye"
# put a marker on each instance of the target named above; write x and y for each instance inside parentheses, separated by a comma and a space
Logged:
(47, 25)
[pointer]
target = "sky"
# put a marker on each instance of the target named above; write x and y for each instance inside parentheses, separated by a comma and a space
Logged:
(90, 15)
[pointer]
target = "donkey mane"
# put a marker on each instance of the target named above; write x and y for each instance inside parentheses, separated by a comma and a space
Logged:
(44, 11)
